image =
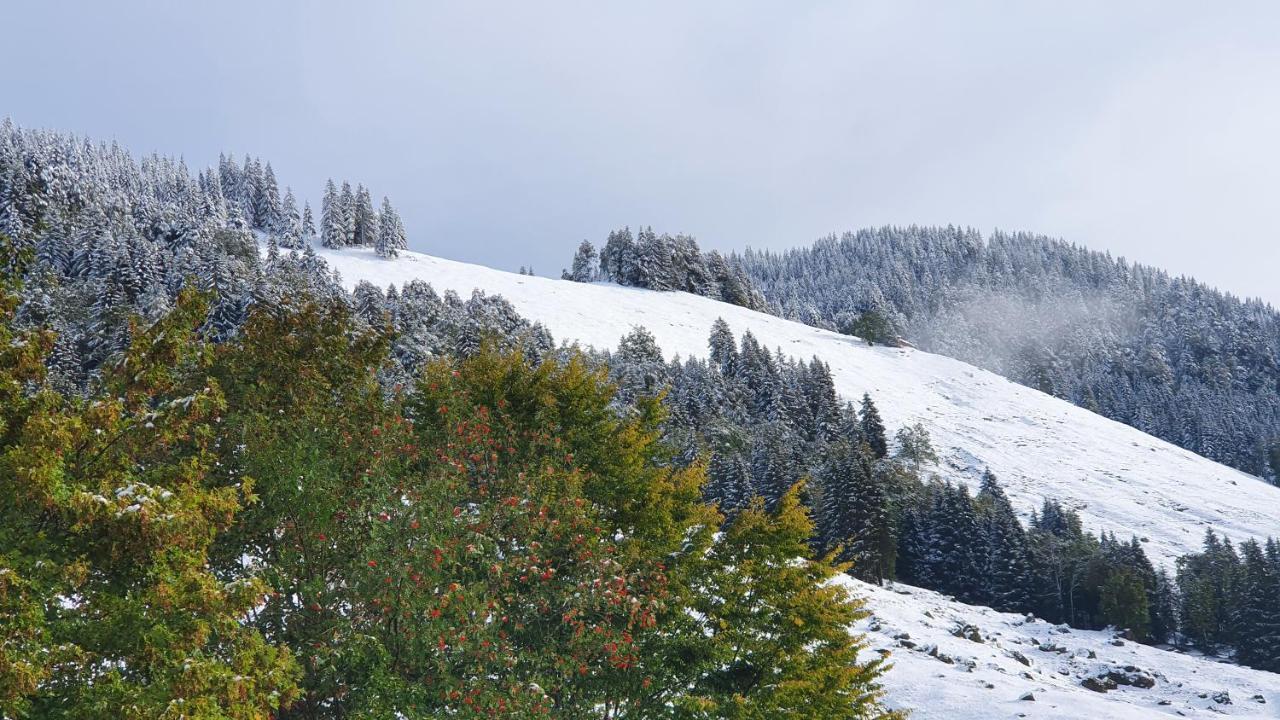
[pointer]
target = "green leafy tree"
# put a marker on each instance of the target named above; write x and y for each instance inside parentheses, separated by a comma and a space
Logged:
(107, 513)
(259, 528)
(777, 626)
(915, 447)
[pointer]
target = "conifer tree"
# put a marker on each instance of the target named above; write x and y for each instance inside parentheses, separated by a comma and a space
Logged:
(958, 561)
(774, 465)
(331, 221)
(855, 512)
(652, 261)
(250, 191)
(640, 371)
(308, 224)
(729, 482)
(822, 405)
(724, 348)
(1005, 557)
(1207, 588)
(1124, 603)
(1162, 606)
(346, 215)
(618, 258)
(365, 220)
(1256, 616)
(584, 263)
(290, 230)
(391, 237)
(873, 427)
(268, 211)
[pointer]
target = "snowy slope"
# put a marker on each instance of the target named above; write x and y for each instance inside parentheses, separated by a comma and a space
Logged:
(1119, 478)
(999, 657)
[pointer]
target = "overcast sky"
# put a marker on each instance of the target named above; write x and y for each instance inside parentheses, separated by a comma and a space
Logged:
(507, 132)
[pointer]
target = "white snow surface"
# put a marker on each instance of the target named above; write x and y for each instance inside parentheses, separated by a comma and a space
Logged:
(938, 675)
(1118, 478)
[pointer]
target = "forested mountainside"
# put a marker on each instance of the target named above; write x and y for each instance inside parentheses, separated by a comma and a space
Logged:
(235, 489)
(764, 418)
(111, 246)
(1167, 355)
(112, 236)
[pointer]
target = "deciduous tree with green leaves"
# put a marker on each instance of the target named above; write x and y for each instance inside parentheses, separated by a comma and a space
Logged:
(108, 608)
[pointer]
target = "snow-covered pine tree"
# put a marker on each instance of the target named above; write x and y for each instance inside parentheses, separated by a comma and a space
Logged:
(724, 351)
(290, 230)
(584, 263)
(855, 511)
(250, 191)
(1257, 613)
(947, 558)
(308, 226)
(652, 261)
(268, 211)
(873, 427)
(618, 258)
(347, 214)
(391, 236)
(365, 221)
(822, 405)
(369, 303)
(1005, 570)
(729, 482)
(640, 370)
(331, 222)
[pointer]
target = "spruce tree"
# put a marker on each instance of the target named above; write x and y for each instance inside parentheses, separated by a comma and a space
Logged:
(331, 222)
(268, 211)
(290, 230)
(308, 226)
(822, 403)
(391, 237)
(724, 349)
(774, 462)
(873, 427)
(346, 215)
(1256, 616)
(249, 195)
(618, 258)
(957, 535)
(1162, 606)
(1124, 603)
(584, 263)
(729, 482)
(365, 220)
(1005, 557)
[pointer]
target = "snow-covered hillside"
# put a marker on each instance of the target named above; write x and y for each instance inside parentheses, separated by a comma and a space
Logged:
(1119, 478)
(958, 662)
